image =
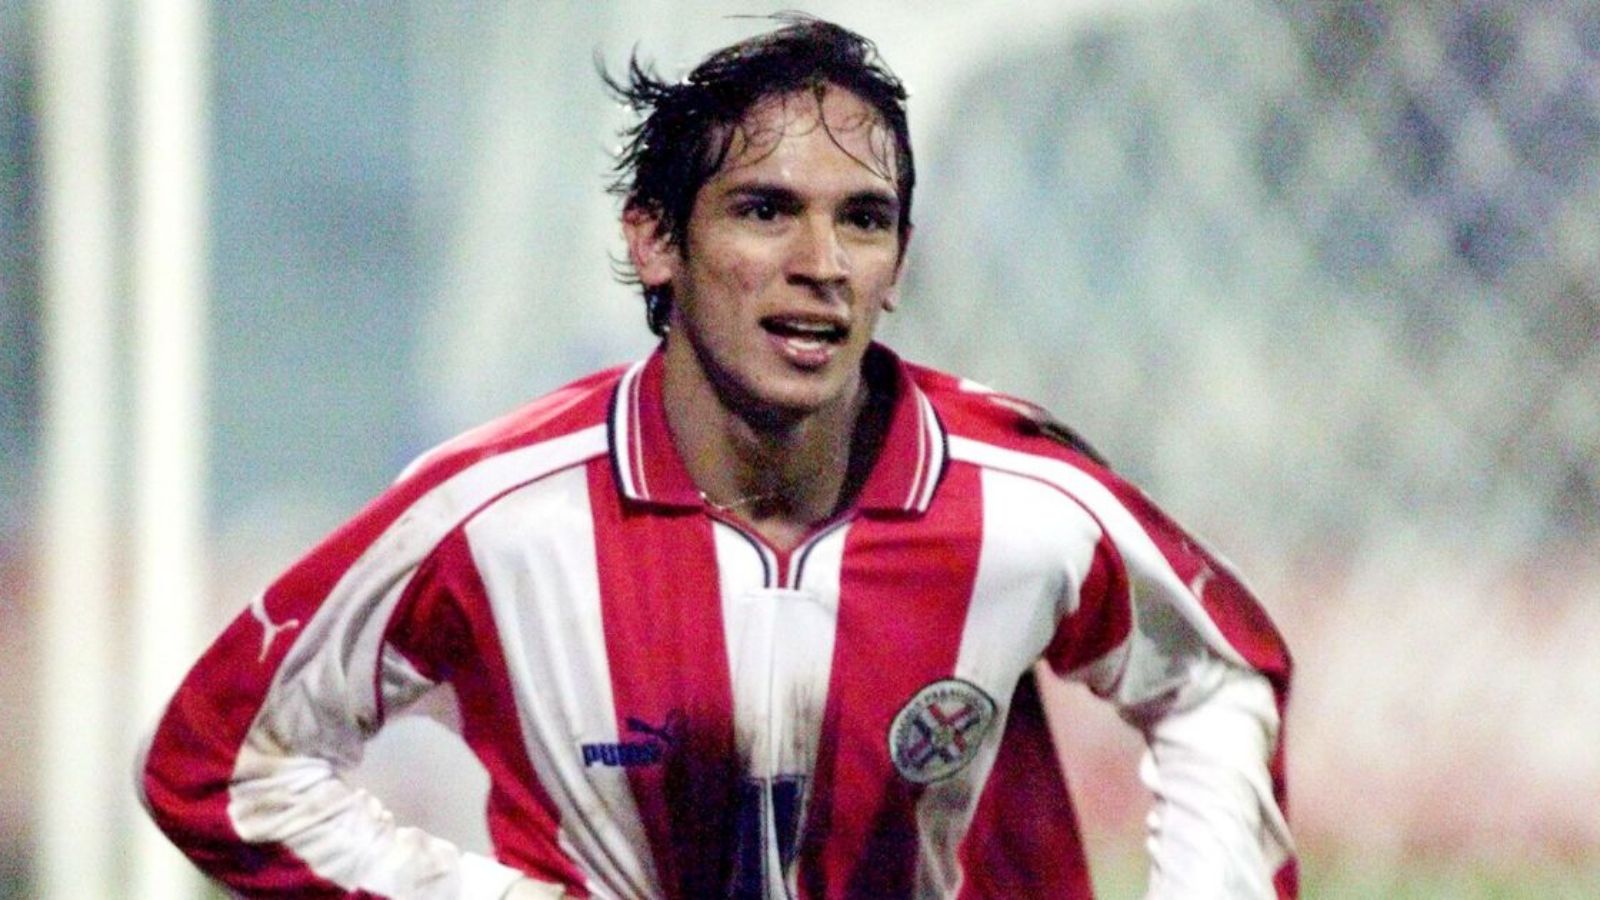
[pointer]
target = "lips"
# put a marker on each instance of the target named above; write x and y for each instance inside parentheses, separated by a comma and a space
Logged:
(806, 328)
(808, 341)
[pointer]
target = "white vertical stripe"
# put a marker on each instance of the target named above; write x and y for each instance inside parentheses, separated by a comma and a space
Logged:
(535, 551)
(808, 627)
(1037, 546)
(745, 568)
(780, 655)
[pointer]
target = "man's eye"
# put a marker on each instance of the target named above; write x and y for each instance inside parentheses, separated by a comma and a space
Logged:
(870, 220)
(761, 210)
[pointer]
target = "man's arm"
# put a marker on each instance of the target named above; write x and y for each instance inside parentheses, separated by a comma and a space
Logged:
(1218, 827)
(243, 770)
(1165, 630)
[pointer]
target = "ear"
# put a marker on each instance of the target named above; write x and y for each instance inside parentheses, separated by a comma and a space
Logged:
(650, 249)
(891, 300)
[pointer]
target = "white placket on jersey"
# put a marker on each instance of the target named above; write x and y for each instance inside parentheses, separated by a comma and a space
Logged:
(780, 639)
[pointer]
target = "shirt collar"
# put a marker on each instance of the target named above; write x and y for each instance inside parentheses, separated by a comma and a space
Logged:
(649, 470)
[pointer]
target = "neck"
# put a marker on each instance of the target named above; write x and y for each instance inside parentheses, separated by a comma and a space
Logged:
(782, 473)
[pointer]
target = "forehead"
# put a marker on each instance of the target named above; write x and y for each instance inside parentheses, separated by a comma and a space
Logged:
(827, 120)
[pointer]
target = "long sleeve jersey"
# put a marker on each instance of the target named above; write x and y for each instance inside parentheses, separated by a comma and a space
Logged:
(668, 706)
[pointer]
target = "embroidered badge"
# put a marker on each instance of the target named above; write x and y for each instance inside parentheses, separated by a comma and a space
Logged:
(939, 730)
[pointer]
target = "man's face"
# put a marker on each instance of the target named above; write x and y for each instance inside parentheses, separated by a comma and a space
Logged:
(792, 254)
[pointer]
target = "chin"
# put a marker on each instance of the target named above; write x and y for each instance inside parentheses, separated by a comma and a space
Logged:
(788, 397)
(790, 404)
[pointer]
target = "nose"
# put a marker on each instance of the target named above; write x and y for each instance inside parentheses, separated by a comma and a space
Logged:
(818, 257)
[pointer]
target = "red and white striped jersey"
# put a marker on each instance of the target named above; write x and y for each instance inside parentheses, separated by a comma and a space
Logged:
(669, 707)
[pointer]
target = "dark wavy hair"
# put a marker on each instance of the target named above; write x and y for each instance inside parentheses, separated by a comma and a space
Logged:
(688, 127)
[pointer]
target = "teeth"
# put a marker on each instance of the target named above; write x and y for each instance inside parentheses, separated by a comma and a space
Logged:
(797, 328)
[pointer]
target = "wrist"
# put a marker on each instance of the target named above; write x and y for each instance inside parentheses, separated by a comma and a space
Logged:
(528, 889)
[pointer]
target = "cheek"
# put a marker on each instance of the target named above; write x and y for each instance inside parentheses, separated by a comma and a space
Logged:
(883, 285)
(733, 271)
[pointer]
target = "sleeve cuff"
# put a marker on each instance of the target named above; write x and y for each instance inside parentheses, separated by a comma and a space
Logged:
(483, 878)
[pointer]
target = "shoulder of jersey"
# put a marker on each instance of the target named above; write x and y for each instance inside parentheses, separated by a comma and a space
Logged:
(971, 410)
(582, 404)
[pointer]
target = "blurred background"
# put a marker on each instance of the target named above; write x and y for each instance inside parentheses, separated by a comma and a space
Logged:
(1323, 277)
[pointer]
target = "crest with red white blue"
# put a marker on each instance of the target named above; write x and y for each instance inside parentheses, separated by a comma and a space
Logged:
(939, 730)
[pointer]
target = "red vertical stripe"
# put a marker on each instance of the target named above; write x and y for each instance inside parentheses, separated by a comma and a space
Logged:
(1024, 839)
(662, 607)
(445, 624)
(904, 593)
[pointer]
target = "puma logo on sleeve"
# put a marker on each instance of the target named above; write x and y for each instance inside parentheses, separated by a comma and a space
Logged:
(269, 629)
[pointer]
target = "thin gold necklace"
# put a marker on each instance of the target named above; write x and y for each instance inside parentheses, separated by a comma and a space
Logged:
(739, 502)
(837, 459)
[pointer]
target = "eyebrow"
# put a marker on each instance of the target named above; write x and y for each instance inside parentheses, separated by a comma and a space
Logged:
(778, 194)
(882, 201)
(876, 198)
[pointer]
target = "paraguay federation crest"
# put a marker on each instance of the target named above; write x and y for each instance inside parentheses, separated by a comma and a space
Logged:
(939, 730)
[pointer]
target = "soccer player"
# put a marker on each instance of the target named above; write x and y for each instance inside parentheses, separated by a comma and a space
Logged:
(759, 615)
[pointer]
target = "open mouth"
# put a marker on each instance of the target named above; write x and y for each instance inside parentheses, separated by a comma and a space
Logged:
(806, 334)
